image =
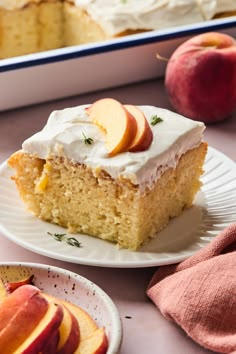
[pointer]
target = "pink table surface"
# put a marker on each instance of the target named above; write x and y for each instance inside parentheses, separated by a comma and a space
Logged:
(146, 331)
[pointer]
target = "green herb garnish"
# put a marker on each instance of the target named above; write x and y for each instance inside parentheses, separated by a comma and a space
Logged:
(69, 240)
(155, 119)
(73, 242)
(58, 237)
(88, 141)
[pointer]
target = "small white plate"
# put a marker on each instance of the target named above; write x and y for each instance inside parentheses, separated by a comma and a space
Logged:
(214, 208)
(71, 287)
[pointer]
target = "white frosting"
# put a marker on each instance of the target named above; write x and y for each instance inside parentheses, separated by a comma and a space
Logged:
(116, 16)
(63, 135)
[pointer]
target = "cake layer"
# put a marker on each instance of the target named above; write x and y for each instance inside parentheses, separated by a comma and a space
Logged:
(33, 28)
(67, 193)
(65, 132)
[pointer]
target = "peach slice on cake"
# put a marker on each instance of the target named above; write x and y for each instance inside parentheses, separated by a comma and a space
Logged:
(144, 135)
(119, 124)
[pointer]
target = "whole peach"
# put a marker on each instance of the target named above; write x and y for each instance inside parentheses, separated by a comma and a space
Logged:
(201, 77)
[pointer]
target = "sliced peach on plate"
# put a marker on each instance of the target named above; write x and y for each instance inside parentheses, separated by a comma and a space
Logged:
(119, 124)
(144, 135)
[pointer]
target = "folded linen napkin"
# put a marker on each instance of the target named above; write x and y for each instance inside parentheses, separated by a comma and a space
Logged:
(199, 294)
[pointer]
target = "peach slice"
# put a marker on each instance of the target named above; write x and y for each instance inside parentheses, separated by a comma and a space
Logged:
(69, 330)
(20, 313)
(50, 344)
(86, 323)
(93, 340)
(119, 125)
(13, 285)
(46, 328)
(69, 333)
(144, 135)
(34, 322)
(96, 343)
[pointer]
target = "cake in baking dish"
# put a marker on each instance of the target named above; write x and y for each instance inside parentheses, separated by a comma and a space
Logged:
(116, 172)
(29, 26)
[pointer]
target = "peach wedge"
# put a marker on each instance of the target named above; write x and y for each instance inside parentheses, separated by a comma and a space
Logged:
(13, 285)
(144, 135)
(47, 328)
(69, 333)
(119, 124)
(96, 343)
(20, 314)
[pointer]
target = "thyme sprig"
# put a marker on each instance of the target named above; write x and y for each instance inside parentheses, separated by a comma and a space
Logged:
(155, 119)
(87, 140)
(72, 241)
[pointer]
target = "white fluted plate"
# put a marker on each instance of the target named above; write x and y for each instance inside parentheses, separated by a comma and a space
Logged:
(214, 209)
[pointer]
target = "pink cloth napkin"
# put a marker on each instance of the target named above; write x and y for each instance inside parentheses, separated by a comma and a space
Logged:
(199, 294)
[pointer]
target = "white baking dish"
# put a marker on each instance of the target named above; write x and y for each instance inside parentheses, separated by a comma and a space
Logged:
(80, 69)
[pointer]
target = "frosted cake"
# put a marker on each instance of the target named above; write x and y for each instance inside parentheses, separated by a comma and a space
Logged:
(29, 26)
(120, 178)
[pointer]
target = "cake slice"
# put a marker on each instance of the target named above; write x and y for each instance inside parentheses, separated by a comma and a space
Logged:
(30, 26)
(66, 174)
